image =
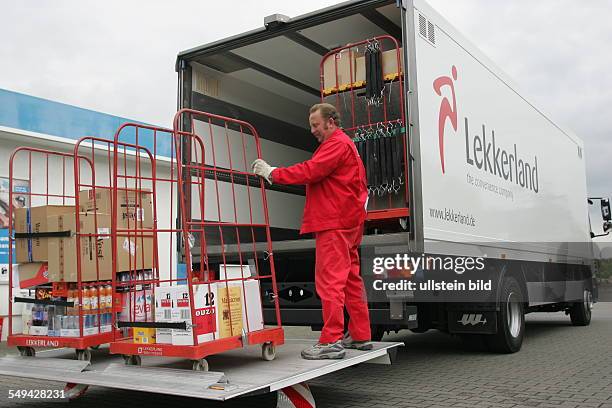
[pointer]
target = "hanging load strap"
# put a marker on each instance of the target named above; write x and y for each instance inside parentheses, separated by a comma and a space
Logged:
(377, 168)
(367, 149)
(374, 79)
(360, 145)
(384, 174)
(390, 159)
(373, 161)
(398, 148)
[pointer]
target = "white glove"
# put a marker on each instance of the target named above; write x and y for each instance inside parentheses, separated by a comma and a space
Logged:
(263, 169)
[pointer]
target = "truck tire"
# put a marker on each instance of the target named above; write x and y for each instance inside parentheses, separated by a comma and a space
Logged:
(510, 320)
(580, 312)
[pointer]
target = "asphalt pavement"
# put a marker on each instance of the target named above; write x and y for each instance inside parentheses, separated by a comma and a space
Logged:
(558, 366)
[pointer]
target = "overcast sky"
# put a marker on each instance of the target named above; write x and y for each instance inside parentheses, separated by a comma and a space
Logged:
(118, 56)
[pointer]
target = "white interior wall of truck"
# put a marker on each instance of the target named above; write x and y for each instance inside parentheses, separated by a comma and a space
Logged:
(216, 77)
(540, 194)
(237, 150)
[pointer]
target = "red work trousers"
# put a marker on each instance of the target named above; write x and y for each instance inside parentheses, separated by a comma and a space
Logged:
(338, 283)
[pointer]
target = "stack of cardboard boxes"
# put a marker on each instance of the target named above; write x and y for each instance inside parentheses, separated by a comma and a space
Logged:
(344, 65)
(221, 309)
(55, 259)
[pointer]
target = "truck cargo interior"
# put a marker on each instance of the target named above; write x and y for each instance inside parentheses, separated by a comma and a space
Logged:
(271, 78)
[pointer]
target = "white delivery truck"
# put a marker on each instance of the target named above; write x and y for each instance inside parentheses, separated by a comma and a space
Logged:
(482, 172)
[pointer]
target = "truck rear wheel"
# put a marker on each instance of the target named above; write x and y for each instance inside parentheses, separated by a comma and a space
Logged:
(580, 312)
(510, 320)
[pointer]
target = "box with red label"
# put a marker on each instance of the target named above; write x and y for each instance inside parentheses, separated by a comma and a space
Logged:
(181, 312)
(32, 274)
(215, 317)
(206, 310)
(205, 314)
(163, 313)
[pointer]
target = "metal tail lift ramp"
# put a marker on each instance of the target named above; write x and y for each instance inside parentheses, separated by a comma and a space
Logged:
(239, 372)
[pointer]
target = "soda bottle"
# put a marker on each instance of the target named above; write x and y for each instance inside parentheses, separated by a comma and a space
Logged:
(93, 299)
(102, 296)
(37, 315)
(44, 316)
(86, 300)
(109, 296)
(51, 319)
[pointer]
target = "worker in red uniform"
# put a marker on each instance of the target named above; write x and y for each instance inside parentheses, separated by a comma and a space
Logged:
(336, 198)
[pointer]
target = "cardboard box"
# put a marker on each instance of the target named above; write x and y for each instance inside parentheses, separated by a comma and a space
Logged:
(227, 271)
(63, 251)
(344, 64)
(39, 331)
(249, 308)
(181, 312)
(212, 310)
(135, 209)
(252, 304)
(34, 220)
(26, 318)
(144, 335)
(389, 65)
(163, 313)
(32, 274)
(133, 253)
(205, 314)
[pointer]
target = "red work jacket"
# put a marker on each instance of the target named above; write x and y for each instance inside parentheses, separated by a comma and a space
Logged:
(336, 187)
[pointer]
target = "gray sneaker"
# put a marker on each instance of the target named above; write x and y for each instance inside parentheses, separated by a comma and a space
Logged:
(323, 351)
(349, 343)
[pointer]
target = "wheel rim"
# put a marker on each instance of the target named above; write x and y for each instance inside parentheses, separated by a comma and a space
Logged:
(588, 300)
(513, 315)
(269, 351)
(200, 365)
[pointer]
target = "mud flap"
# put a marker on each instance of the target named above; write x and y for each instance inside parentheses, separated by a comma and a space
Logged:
(473, 322)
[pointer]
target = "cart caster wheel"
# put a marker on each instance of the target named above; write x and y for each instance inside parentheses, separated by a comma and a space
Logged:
(268, 351)
(200, 365)
(97, 347)
(73, 391)
(83, 355)
(26, 351)
(132, 360)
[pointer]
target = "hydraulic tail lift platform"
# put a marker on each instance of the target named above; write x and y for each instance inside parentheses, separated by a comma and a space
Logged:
(235, 373)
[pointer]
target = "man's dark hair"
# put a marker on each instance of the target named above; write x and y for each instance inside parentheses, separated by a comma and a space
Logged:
(327, 111)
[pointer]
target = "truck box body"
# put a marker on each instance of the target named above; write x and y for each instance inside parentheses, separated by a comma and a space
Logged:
(489, 175)
(510, 173)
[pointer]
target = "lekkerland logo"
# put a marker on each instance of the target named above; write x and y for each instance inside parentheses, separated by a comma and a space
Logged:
(447, 111)
(483, 150)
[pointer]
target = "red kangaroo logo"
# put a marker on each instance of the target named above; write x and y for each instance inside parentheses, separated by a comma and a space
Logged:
(446, 111)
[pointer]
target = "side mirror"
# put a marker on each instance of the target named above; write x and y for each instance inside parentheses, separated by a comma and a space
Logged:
(605, 209)
(607, 226)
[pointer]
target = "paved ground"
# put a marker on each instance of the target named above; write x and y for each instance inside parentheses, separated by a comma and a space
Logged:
(559, 366)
